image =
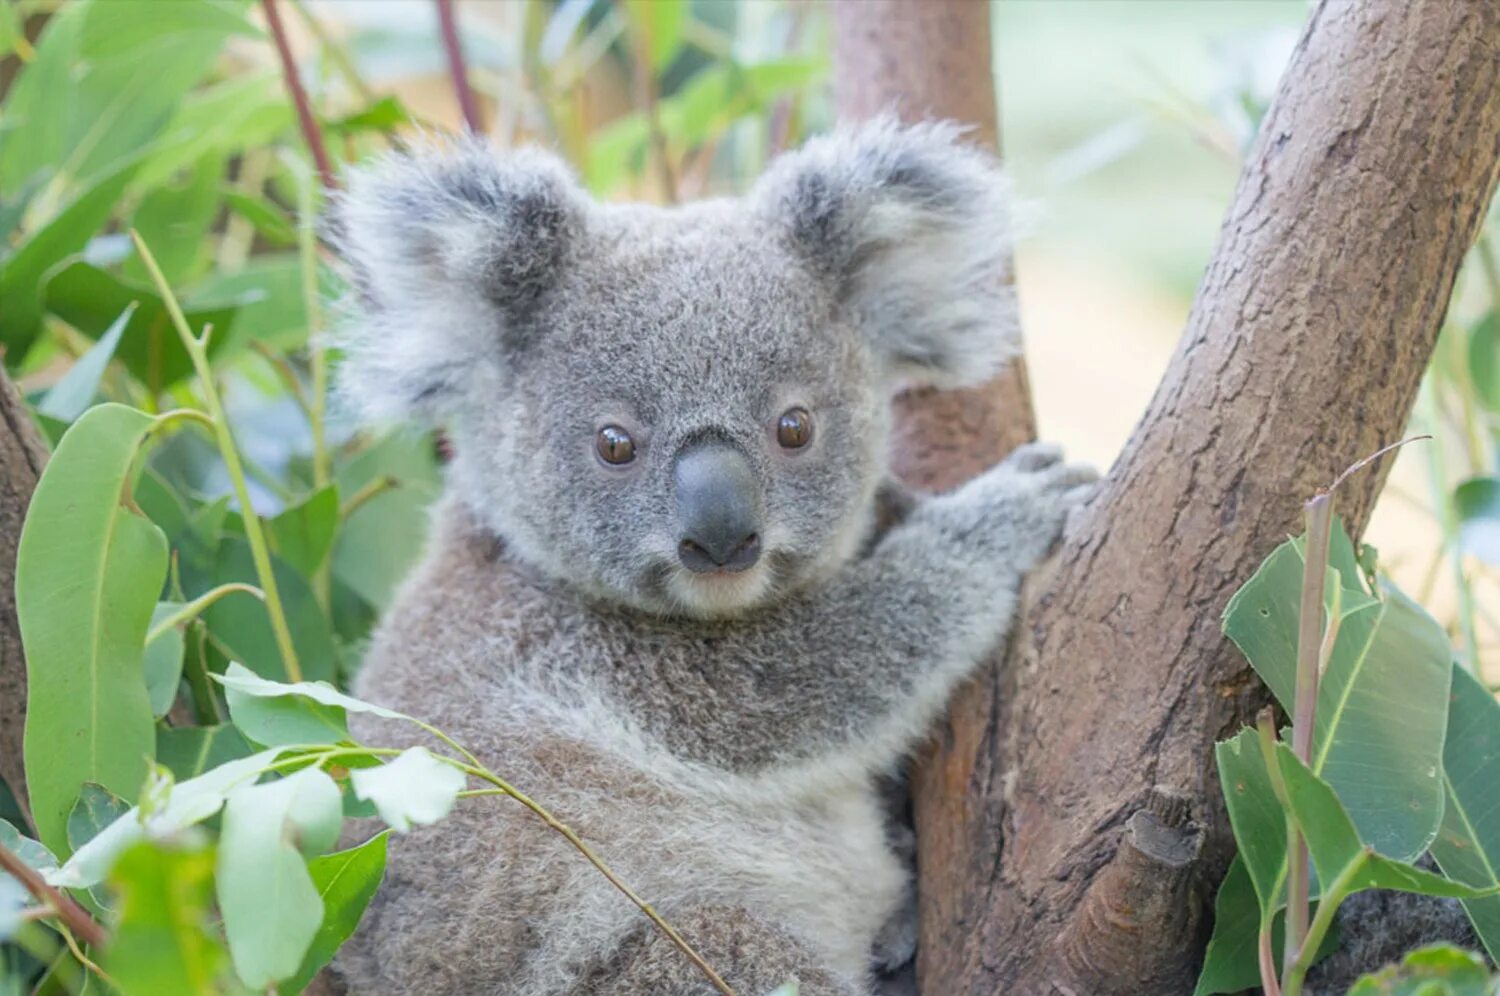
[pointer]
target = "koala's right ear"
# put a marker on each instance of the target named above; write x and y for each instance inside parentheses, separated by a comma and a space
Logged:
(447, 251)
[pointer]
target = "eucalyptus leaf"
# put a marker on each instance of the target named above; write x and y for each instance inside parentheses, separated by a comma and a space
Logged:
(1346, 864)
(189, 751)
(23, 272)
(185, 804)
(1381, 752)
(243, 625)
(97, 808)
(346, 881)
(88, 573)
(88, 298)
(1468, 844)
(271, 907)
(415, 788)
(75, 391)
(164, 940)
(302, 534)
(163, 661)
(1484, 360)
(33, 852)
(1436, 970)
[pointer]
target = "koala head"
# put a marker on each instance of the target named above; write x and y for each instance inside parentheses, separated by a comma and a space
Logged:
(681, 409)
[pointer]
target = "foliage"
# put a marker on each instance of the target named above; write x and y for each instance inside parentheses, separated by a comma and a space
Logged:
(211, 542)
(1404, 760)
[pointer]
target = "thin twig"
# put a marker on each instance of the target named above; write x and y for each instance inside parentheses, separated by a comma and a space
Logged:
(504, 788)
(336, 54)
(305, 119)
(457, 69)
(254, 534)
(1359, 465)
(371, 489)
(69, 912)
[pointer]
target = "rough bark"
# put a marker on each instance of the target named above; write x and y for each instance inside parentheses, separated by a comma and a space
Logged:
(22, 454)
(1069, 830)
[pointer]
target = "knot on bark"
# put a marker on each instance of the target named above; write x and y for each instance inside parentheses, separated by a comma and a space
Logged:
(1142, 909)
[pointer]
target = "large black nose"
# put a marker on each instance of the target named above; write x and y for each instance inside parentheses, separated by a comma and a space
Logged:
(718, 509)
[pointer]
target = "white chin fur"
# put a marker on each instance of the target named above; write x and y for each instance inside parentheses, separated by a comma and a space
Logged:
(719, 594)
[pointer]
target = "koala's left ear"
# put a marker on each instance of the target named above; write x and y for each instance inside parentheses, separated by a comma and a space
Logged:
(447, 251)
(912, 227)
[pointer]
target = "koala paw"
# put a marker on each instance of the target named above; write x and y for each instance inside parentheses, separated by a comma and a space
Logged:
(1017, 508)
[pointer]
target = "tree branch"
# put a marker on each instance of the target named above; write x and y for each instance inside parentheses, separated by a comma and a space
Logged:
(1311, 331)
(22, 456)
(457, 69)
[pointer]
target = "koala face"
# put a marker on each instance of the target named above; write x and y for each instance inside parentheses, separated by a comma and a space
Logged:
(680, 409)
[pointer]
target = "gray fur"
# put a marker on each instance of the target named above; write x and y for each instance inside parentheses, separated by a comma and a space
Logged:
(716, 738)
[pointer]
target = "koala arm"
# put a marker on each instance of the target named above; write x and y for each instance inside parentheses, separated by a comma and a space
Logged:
(875, 655)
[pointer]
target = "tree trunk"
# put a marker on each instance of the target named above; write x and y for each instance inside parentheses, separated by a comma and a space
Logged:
(1069, 829)
(21, 457)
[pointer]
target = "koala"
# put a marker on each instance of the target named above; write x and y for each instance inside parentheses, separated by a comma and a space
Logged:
(654, 599)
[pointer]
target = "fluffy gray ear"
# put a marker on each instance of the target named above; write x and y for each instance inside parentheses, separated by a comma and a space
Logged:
(912, 226)
(447, 252)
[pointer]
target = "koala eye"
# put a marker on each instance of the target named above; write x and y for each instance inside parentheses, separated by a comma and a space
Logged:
(614, 445)
(794, 428)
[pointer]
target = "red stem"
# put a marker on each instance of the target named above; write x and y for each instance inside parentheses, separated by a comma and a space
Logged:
(456, 68)
(305, 119)
(74, 916)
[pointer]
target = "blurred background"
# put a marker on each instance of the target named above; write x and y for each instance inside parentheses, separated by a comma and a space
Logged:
(1123, 121)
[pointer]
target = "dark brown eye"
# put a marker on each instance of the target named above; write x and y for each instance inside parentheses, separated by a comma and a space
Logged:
(615, 445)
(794, 428)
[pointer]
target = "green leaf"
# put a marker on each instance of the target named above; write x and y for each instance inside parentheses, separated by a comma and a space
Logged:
(346, 881)
(88, 298)
(415, 788)
(241, 679)
(88, 573)
(244, 111)
(268, 295)
(1381, 752)
(271, 906)
(97, 808)
(267, 217)
(1436, 970)
(1257, 818)
(185, 804)
(75, 391)
(1484, 360)
(23, 272)
(176, 217)
(164, 941)
(1468, 844)
(1477, 502)
(1231, 962)
(385, 115)
(123, 65)
(33, 852)
(1338, 853)
(302, 534)
(243, 625)
(378, 544)
(189, 751)
(284, 720)
(163, 661)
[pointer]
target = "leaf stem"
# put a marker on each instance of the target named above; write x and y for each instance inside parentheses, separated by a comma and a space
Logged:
(1319, 515)
(371, 489)
(504, 788)
(254, 534)
(1328, 905)
(192, 610)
